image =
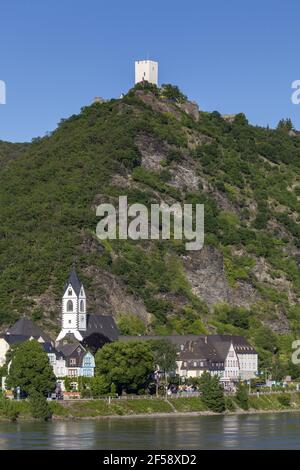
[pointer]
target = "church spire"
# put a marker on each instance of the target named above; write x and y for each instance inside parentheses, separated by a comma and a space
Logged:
(74, 281)
(74, 316)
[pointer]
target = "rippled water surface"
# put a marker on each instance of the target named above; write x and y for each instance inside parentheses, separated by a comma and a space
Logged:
(260, 431)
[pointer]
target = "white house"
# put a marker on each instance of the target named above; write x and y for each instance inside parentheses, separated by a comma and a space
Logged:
(23, 330)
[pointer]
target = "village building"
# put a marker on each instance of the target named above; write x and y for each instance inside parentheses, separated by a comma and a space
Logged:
(76, 361)
(196, 357)
(23, 330)
(92, 330)
(232, 358)
(229, 357)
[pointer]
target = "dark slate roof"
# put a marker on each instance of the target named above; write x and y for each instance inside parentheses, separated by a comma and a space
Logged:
(74, 281)
(200, 350)
(202, 353)
(26, 328)
(103, 324)
(241, 345)
(13, 339)
(68, 349)
(49, 349)
(222, 344)
(175, 339)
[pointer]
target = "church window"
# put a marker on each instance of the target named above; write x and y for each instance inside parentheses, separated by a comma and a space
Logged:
(81, 306)
(70, 292)
(70, 306)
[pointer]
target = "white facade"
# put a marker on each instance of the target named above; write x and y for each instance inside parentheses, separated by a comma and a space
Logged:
(73, 313)
(248, 365)
(237, 365)
(231, 366)
(59, 367)
(4, 347)
(146, 70)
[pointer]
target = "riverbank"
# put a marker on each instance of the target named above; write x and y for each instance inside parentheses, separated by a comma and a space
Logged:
(143, 407)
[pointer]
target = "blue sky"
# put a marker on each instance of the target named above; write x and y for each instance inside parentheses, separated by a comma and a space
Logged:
(231, 56)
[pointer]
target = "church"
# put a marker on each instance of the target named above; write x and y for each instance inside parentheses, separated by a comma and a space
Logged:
(91, 330)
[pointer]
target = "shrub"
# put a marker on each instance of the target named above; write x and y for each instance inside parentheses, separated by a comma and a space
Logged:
(284, 399)
(242, 397)
(212, 393)
(229, 404)
(39, 407)
(8, 409)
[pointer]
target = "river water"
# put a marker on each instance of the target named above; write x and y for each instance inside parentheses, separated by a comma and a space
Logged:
(257, 431)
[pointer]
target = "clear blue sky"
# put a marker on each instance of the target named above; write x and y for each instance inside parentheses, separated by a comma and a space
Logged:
(230, 56)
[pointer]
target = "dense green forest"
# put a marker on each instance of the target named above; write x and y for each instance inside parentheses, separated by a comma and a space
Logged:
(142, 146)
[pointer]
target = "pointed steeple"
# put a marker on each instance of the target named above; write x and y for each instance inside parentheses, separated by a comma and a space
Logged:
(74, 281)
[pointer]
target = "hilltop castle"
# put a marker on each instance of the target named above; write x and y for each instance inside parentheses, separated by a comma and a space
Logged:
(146, 70)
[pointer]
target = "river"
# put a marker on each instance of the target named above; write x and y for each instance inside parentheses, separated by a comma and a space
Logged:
(256, 431)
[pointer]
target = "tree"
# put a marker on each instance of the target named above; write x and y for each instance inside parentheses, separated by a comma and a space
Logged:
(212, 393)
(39, 407)
(266, 339)
(164, 356)
(131, 325)
(241, 396)
(285, 125)
(172, 92)
(30, 369)
(99, 386)
(127, 365)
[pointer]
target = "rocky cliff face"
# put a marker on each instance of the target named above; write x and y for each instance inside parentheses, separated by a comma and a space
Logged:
(155, 149)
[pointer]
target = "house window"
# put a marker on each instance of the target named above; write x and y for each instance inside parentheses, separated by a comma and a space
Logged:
(69, 306)
(88, 360)
(73, 361)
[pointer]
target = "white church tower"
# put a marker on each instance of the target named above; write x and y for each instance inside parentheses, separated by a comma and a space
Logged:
(73, 308)
(146, 70)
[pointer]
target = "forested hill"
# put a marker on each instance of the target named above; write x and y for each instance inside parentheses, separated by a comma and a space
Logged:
(153, 145)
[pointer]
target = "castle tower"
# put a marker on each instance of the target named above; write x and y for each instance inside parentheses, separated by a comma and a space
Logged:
(146, 70)
(73, 307)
